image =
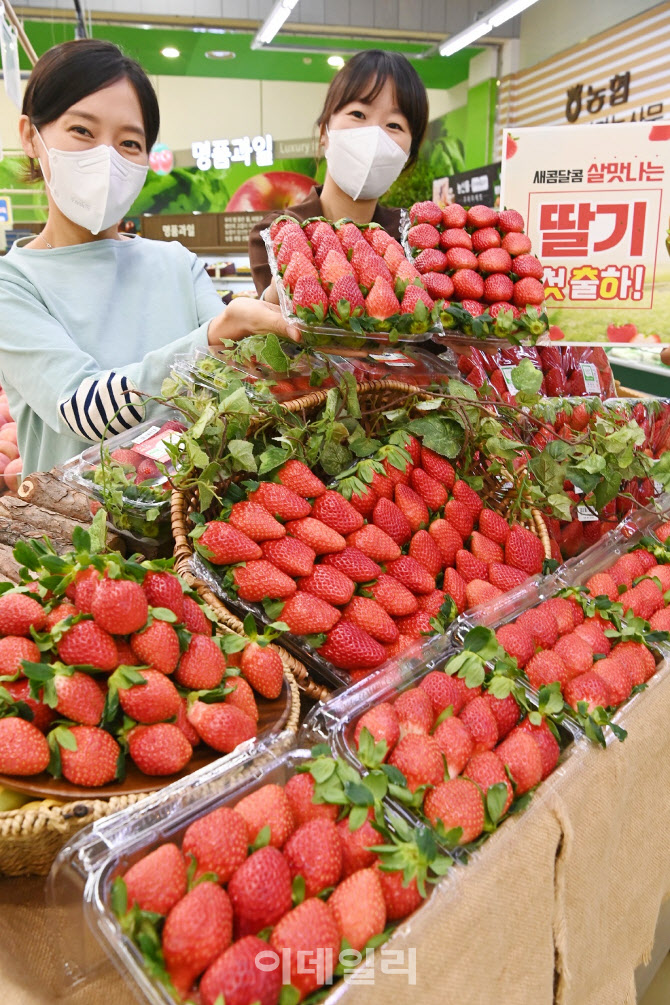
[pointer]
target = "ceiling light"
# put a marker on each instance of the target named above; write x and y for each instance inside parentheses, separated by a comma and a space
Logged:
(220, 54)
(493, 19)
(336, 61)
(170, 52)
(504, 11)
(273, 22)
(464, 38)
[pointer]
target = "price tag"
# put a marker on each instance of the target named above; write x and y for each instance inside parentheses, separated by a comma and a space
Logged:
(393, 359)
(591, 378)
(147, 434)
(584, 514)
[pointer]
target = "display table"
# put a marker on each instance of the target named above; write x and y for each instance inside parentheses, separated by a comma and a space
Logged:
(560, 906)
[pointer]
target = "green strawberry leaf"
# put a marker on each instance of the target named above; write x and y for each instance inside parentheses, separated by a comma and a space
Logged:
(262, 838)
(298, 890)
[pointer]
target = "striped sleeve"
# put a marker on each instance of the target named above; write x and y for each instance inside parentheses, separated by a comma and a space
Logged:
(102, 406)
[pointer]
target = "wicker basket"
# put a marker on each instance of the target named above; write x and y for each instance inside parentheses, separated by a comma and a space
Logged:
(31, 836)
(377, 396)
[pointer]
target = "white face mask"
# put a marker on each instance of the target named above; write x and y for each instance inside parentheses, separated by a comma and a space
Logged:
(94, 188)
(364, 161)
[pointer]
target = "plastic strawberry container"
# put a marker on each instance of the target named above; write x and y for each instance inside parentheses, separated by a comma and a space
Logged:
(81, 878)
(322, 334)
(408, 364)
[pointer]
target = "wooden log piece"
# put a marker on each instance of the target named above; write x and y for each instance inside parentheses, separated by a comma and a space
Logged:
(9, 569)
(47, 490)
(20, 520)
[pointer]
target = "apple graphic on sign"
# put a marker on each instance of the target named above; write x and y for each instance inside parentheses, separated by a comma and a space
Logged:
(274, 190)
(161, 159)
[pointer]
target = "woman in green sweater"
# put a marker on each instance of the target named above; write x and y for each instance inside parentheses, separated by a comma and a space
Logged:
(89, 317)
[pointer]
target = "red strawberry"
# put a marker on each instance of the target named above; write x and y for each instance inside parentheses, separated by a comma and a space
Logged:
(588, 687)
(375, 542)
(509, 221)
(593, 633)
(459, 516)
(517, 641)
(359, 908)
(158, 881)
(314, 852)
(486, 769)
(442, 692)
(221, 726)
(495, 260)
(618, 678)
(59, 613)
(300, 267)
(524, 550)
(544, 668)
(382, 723)
(454, 215)
(485, 238)
(505, 712)
(159, 749)
(414, 294)
(262, 667)
(637, 658)
(354, 564)
(372, 618)
(87, 643)
(390, 594)
(426, 212)
(19, 690)
(473, 307)
(454, 585)
(542, 625)
(429, 489)
(423, 235)
(439, 286)
(411, 574)
(516, 243)
(328, 584)
(163, 589)
(334, 510)
(455, 237)
(85, 585)
(485, 549)
(468, 284)
(379, 240)
(423, 549)
(280, 502)
(268, 807)
(401, 898)
(257, 580)
(437, 467)
(562, 610)
(575, 653)
(297, 476)
(447, 538)
(504, 576)
(234, 976)
(19, 613)
(202, 666)
(478, 591)
(308, 939)
(14, 649)
(414, 710)
(520, 753)
(416, 625)
(382, 485)
(660, 621)
(356, 844)
(461, 258)
(23, 748)
(412, 505)
(157, 646)
(299, 791)
(431, 602)
(482, 216)
(226, 545)
(240, 695)
(381, 302)
(309, 298)
(347, 646)
(218, 843)
(419, 758)
(197, 930)
(546, 741)
(528, 292)
(289, 555)
(469, 567)
(260, 890)
(320, 538)
(346, 300)
(457, 803)
(362, 497)
(430, 260)
(254, 520)
(306, 614)
(527, 265)
(394, 256)
(481, 722)
(194, 618)
(154, 701)
(397, 476)
(456, 744)
(94, 762)
(555, 383)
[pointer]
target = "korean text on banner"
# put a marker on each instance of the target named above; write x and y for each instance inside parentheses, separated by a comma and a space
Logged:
(597, 204)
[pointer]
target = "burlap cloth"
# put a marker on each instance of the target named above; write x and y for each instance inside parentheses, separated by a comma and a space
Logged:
(559, 907)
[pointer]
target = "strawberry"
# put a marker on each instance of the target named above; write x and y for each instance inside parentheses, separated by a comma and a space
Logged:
(456, 803)
(575, 653)
(643, 600)
(381, 302)
(202, 666)
(375, 542)
(159, 749)
(262, 667)
(504, 576)
(307, 614)
(394, 256)
(163, 589)
(289, 555)
(456, 744)
(297, 476)
(516, 243)
(527, 265)
(372, 618)
(442, 692)
(314, 852)
(194, 618)
(218, 843)
(662, 573)
(158, 881)
(382, 485)
(528, 292)
(320, 538)
(235, 977)
(447, 538)
(618, 678)
(390, 594)
(359, 908)
(356, 844)
(473, 307)
(509, 221)
(307, 939)
(196, 931)
(637, 658)
(414, 709)
(486, 769)
(19, 613)
(455, 237)
(546, 741)
(257, 580)
(362, 497)
(485, 550)
(154, 701)
(85, 585)
(328, 254)
(468, 284)
(300, 792)
(485, 238)
(478, 591)
(346, 300)
(495, 260)
(461, 258)
(544, 668)
(240, 695)
(505, 712)
(423, 235)
(498, 289)
(59, 613)
(268, 807)
(413, 507)
(328, 584)
(660, 621)
(291, 239)
(577, 612)
(542, 625)
(520, 753)
(588, 687)
(350, 648)
(319, 231)
(440, 287)
(416, 625)
(593, 633)
(20, 690)
(419, 758)
(430, 260)
(662, 532)
(382, 723)
(413, 294)
(423, 549)
(562, 610)
(254, 520)
(482, 216)
(405, 275)
(431, 602)
(157, 646)
(300, 267)
(94, 761)
(555, 383)
(23, 748)
(87, 643)
(309, 298)
(517, 641)
(223, 544)
(432, 491)
(14, 649)
(454, 586)
(470, 567)
(411, 574)
(379, 240)
(334, 510)
(523, 550)
(481, 722)
(397, 476)
(221, 726)
(646, 560)
(260, 890)
(282, 503)
(459, 516)
(425, 212)
(454, 215)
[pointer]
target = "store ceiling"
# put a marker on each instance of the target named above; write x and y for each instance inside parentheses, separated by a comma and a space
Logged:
(316, 29)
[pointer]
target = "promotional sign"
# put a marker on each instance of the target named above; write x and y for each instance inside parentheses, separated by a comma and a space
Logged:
(481, 186)
(597, 207)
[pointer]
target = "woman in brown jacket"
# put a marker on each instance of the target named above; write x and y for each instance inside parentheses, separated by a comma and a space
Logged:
(371, 127)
